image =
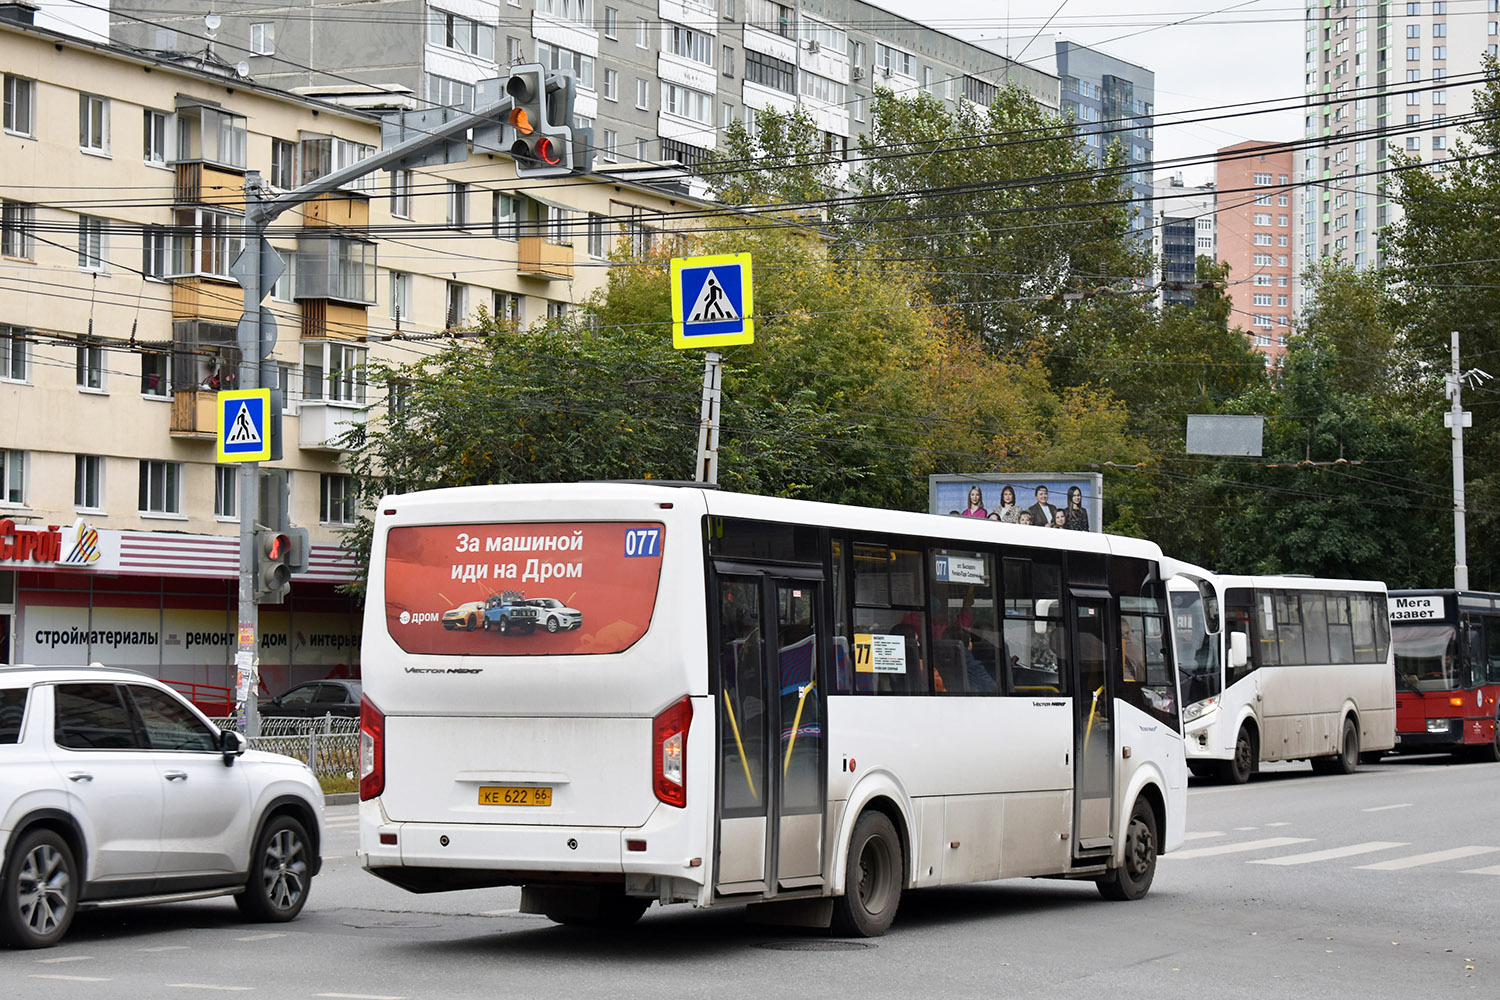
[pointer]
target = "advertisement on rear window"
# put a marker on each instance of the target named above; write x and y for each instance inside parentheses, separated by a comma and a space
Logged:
(521, 590)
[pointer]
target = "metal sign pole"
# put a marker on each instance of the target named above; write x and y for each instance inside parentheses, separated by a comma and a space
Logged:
(708, 420)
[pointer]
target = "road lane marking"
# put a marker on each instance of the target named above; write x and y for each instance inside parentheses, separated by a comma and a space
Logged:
(165, 947)
(1245, 829)
(1491, 870)
(1201, 836)
(1278, 824)
(1330, 854)
(358, 996)
(1436, 857)
(65, 958)
(1380, 809)
(500, 913)
(71, 979)
(210, 986)
(260, 937)
(1249, 845)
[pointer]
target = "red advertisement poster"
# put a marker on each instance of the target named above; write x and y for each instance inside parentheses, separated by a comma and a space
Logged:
(521, 589)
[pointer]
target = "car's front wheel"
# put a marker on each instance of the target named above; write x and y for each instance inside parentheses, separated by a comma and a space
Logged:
(551, 624)
(39, 891)
(280, 873)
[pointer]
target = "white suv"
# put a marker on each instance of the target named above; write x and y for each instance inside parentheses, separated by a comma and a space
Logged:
(113, 789)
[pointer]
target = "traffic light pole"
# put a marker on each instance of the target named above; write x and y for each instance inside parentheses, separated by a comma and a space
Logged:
(249, 271)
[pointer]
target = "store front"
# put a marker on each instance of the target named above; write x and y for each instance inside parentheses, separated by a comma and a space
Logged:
(166, 604)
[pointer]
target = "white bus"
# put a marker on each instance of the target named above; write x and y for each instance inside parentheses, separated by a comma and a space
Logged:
(1282, 668)
(804, 707)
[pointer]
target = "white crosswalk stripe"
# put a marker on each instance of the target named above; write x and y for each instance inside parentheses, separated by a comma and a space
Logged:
(1249, 845)
(1333, 853)
(1435, 857)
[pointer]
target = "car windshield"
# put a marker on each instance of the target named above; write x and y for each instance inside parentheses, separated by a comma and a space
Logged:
(547, 602)
(1427, 657)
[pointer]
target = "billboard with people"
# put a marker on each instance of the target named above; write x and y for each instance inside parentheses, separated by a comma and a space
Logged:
(1072, 501)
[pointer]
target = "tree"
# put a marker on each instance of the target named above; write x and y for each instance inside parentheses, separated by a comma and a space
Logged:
(784, 163)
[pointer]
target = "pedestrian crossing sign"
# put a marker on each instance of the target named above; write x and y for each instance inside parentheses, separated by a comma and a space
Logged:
(244, 425)
(712, 305)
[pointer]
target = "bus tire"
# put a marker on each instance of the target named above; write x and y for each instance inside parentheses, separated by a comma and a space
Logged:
(1238, 768)
(873, 879)
(1346, 761)
(1133, 878)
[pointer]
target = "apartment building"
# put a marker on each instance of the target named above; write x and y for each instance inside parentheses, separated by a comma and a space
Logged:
(122, 202)
(1255, 237)
(1380, 78)
(658, 79)
(1182, 231)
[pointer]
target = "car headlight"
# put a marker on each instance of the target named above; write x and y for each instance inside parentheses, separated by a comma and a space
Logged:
(1199, 709)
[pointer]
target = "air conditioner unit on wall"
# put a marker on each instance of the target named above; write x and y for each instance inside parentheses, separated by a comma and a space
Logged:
(886, 70)
(857, 73)
(813, 45)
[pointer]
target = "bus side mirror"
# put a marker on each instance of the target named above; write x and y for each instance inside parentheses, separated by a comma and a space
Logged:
(1210, 598)
(1239, 650)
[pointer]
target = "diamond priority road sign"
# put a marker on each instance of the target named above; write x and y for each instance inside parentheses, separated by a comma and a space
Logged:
(712, 304)
(244, 425)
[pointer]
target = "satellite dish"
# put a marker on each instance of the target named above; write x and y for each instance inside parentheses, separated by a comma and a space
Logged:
(243, 69)
(212, 22)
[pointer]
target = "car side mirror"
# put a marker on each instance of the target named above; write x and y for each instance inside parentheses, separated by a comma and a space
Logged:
(231, 744)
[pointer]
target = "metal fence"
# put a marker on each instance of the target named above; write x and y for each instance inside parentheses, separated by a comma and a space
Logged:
(329, 745)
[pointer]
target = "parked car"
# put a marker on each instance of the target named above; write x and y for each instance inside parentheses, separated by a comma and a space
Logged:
(467, 616)
(315, 699)
(115, 789)
(553, 614)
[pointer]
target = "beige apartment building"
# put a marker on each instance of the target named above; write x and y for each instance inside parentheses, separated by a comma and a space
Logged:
(1254, 190)
(122, 187)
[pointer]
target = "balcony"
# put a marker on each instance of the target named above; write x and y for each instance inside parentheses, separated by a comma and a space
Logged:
(195, 415)
(539, 258)
(321, 423)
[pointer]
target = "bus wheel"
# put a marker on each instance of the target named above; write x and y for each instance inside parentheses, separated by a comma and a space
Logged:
(1133, 878)
(873, 881)
(1237, 769)
(1346, 761)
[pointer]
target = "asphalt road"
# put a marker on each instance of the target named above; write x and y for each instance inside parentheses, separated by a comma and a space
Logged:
(1379, 884)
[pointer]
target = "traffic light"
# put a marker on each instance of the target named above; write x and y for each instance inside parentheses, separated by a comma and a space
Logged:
(273, 565)
(540, 140)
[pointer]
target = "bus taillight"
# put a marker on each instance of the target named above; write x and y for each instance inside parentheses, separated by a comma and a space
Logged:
(371, 749)
(669, 732)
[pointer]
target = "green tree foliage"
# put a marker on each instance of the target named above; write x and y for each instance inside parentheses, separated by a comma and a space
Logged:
(1445, 278)
(784, 163)
(999, 208)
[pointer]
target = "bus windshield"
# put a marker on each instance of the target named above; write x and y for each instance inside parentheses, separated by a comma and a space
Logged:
(1197, 652)
(1427, 657)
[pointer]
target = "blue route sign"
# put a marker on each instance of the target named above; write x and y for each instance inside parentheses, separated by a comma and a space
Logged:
(244, 425)
(712, 301)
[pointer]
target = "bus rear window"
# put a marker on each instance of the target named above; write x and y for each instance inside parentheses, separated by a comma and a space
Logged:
(522, 589)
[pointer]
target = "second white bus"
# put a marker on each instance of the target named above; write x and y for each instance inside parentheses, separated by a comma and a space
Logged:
(804, 707)
(1282, 668)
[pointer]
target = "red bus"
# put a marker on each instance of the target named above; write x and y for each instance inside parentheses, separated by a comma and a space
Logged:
(1447, 646)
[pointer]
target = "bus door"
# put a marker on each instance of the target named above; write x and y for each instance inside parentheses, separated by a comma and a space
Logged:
(1093, 777)
(771, 751)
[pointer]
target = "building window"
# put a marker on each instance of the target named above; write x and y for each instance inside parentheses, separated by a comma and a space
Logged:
(1262, 218)
(333, 371)
(768, 71)
(263, 39)
(93, 123)
(154, 380)
(508, 308)
(642, 151)
(226, 491)
(89, 365)
(154, 134)
(611, 85)
(1262, 178)
(458, 307)
(556, 57)
(156, 252)
(400, 297)
(1413, 53)
(642, 33)
(401, 194)
(14, 354)
(452, 31)
(892, 60)
(611, 23)
(282, 290)
(1440, 52)
(458, 204)
(557, 311)
(643, 95)
(1413, 31)
(1439, 30)
(335, 502)
(88, 482)
(685, 103)
(13, 476)
(283, 164)
(689, 44)
(1281, 240)
(1262, 239)
(17, 220)
(206, 243)
(443, 92)
(1281, 301)
(728, 61)
(596, 241)
(212, 136)
(1262, 279)
(90, 243)
(1263, 320)
(608, 149)
(20, 102)
(161, 487)
(507, 214)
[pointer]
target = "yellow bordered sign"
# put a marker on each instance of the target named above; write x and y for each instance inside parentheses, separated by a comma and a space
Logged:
(712, 301)
(244, 425)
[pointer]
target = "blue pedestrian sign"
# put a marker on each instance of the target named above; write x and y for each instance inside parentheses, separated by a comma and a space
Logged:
(712, 301)
(244, 425)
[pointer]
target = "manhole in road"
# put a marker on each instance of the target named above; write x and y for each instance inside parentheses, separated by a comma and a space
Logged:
(815, 945)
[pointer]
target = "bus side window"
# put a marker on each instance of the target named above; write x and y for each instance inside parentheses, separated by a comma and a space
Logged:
(1492, 647)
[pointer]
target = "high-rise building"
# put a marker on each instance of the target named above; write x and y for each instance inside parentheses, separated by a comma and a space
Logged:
(1113, 100)
(1380, 78)
(1183, 230)
(658, 80)
(1254, 216)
